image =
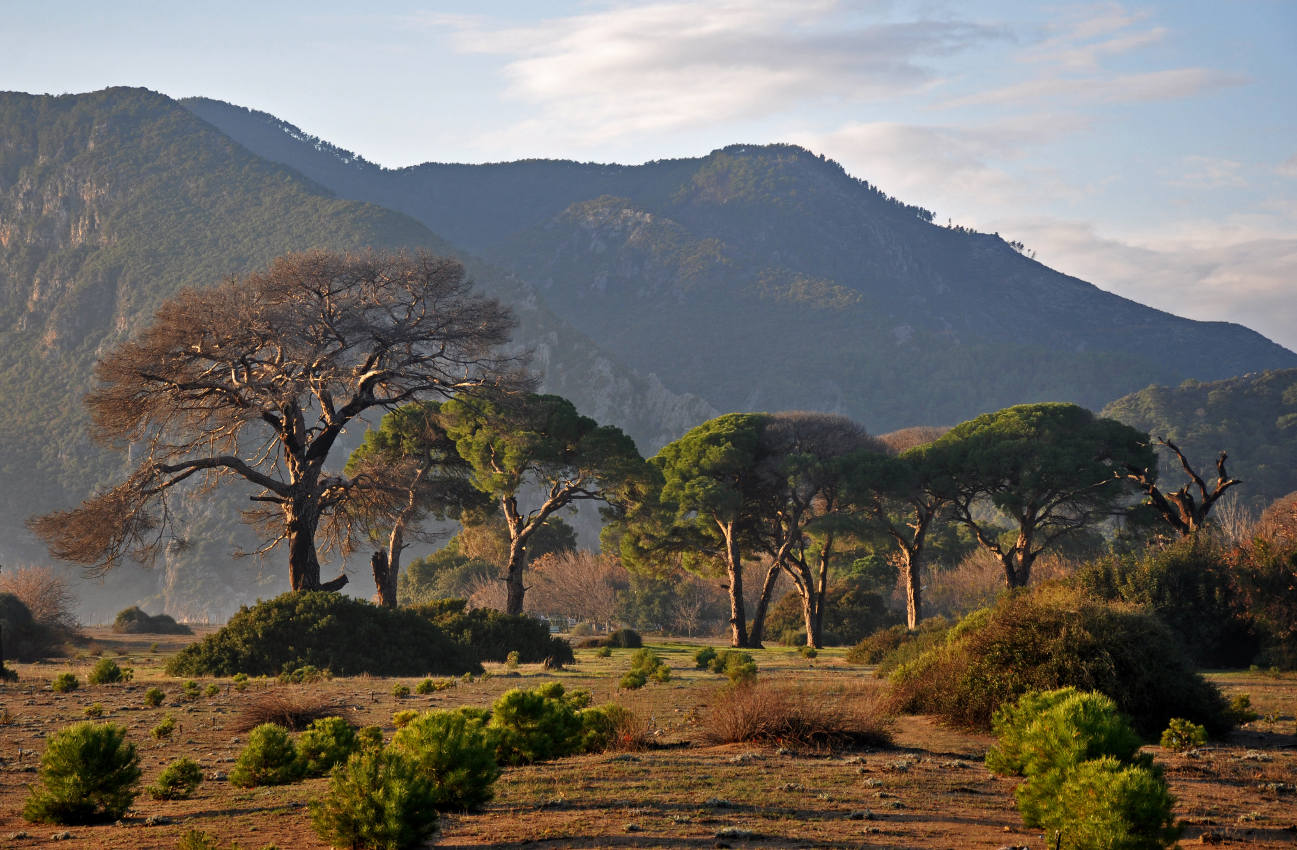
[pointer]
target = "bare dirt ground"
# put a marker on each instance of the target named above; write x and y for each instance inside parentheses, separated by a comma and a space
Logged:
(930, 791)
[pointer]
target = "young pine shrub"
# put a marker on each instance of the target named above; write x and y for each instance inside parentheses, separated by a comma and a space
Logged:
(455, 750)
(537, 725)
(736, 666)
(378, 799)
(402, 718)
(107, 672)
(1181, 735)
(178, 781)
(644, 665)
(326, 742)
(89, 774)
(153, 697)
(65, 683)
(1113, 805)
(270, 758)
(400, 691)
(703, 657)
(164, 728)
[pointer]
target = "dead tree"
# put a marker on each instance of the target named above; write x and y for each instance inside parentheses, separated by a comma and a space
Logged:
(1185, 509)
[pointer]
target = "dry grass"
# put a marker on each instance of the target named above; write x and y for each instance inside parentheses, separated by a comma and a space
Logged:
(796, 717)
(290, 708)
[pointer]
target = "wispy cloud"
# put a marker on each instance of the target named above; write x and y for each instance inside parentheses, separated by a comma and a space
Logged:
(1206, 172)
(670, 65)
(1288, 168)
(1111, 88)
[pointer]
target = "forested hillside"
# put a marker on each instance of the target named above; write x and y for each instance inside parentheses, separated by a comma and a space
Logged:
(765, 277)
(112, 201)
(1253, 417)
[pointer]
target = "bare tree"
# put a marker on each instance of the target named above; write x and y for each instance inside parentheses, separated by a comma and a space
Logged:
(48, 597)
(1185, 509)
(255, 379)
(581, 584)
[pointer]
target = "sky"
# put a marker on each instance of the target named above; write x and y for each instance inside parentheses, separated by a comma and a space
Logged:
(1147, 147)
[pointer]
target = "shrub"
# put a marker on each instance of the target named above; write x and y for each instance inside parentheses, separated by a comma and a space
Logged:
(178, 781)
(703, 657)
(324, 630)
(737, 666)
(211, 690)
(1240, 709)
(400, 691)
(645, 665)
(326, 742)
(369, 737)
(762, 713)
(378, 799)
(25, 638)
(1054, 637)
(492, 635)
(49, 601)
(305, 675)
(134, 621)
(1106, 803)
(65, 683)
(604, 652)
(270, 758)
(537, 725)
(107, 672)
(95, 709)
(457, 751)
(1189, 586)
(401, 718)
(1058, 729)
(240, 681)
(893, 646)
(610, 727)
(89, 774)
(625, 639)
(190, 690)
(425, 687)
(807, 651)
(153, 697)
(1182, 735)
(164, 728)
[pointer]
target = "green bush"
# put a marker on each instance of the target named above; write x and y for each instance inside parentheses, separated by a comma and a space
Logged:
(737, 666)
(378, 799)
(1190, 586)
(1182, 735)
(1058, 729)
(326, 742)
(134, 621)
(703, 657)
(624, 639)
(153, 697)
(164, 728)
(25, 639)
(400, 690)
(604, 652)
(270, 758)
(240, 681)
(178, 781)
(95, 709)
(369, 737)
(191, 691)
(493, 635)
(107, 672)
(537, 725)
(807, 651)
(1054, 637)
(606, 726)
(89, 774)
(893, 646)
(457, 751)
(306, 675)
(328, 631)
(1105, 803)
(1240, 709)
(65, 683)
(645, 665)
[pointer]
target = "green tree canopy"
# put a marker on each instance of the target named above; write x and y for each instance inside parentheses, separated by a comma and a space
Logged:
(1050, 468)
(525, 443)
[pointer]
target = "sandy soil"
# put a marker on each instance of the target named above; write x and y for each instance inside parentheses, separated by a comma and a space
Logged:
(930, 791)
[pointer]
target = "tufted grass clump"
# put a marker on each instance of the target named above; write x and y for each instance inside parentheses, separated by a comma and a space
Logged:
(457, 750)
(178, 781)
(89, 773)
(644, 665)
(106, 671)
(379, 798)
(270, 758)
(328, 741)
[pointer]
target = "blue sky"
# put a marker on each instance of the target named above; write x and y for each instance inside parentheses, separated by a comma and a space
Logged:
(1148, 147)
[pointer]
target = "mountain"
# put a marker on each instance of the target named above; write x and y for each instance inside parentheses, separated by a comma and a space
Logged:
(112, 201)
(1253, 417)
(765, 277)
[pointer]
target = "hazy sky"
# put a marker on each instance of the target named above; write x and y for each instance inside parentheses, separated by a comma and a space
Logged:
(1148, 147)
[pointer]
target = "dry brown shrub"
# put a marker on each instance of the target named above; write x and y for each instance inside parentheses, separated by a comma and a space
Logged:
(908, 438)
(583, 585)
(798, 717)
(1277, 525)
(291, 708)
(45, 594)
(979, 580)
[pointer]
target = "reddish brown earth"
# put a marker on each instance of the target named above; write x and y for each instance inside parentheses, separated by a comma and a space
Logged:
(930, 791)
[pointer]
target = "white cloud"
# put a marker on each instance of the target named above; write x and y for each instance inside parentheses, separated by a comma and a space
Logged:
(1228, 272)
(1080, 40)
(671, 65)
(1205, 172)
(1117, 88)
(1287, 168)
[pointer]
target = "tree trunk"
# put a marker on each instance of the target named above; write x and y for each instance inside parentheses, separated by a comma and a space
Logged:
(303, 562)
(384, 578)
(912, 570)
(1017, 563)
(758, 630)
(734, 570)
(513, 576)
